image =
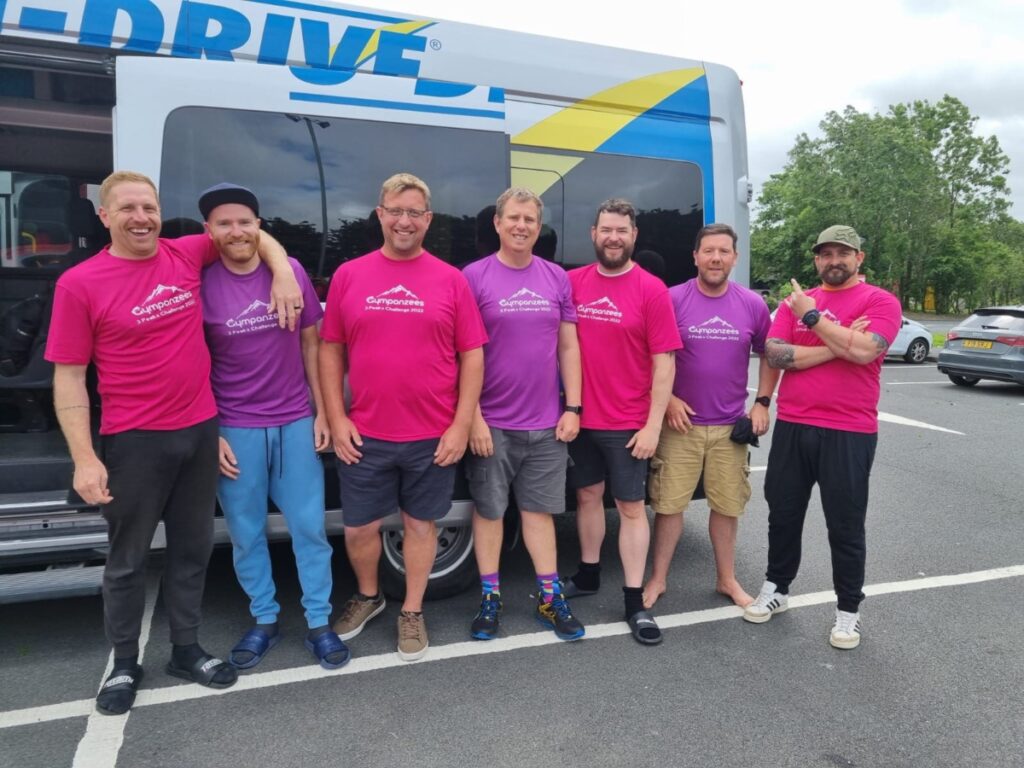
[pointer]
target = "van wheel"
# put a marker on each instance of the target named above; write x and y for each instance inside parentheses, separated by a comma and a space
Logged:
(917, 352)
(454, 565)
(963, 381)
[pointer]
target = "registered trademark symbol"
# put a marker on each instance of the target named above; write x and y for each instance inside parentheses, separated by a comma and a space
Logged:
(435, 44)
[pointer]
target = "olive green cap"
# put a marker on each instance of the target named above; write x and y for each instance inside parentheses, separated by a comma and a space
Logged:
(838, 233)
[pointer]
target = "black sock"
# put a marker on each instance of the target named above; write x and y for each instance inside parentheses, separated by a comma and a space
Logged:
(184, 656)
(634, 597)
(119, 702)
(126, 662)
(588, 576)
(334, 657)
(244, 657)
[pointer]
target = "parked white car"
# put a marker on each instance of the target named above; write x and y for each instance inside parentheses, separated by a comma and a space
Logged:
(912, 343)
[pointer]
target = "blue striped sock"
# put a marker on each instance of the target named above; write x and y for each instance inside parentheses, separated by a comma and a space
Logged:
(490, 584)
(547, 583)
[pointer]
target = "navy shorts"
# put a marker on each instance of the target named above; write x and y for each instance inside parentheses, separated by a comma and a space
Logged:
(601, 454)
(393, 476)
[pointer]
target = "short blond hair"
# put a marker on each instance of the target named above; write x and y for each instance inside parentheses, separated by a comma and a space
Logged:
(397, 184)
(124, 177)
(520, 195)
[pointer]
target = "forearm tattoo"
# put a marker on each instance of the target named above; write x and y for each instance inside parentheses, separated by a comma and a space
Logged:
(880, 343)
(780, 354)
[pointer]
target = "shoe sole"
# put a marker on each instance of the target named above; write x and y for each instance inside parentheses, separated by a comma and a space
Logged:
(354, 632)
(483, 635)
(844, 645)
(560, 635)
(413, 656)
(754, 619)
(258, 658)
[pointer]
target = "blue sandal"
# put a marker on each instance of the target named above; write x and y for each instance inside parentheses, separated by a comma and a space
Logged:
(256, 642)
(324, 646)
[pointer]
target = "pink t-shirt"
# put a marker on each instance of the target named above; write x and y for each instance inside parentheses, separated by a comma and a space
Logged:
(402, 323)
(141, 322)
(623, 321)
(837, 394)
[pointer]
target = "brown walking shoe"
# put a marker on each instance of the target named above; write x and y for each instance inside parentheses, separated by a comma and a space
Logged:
(358, 610)
(412, 636)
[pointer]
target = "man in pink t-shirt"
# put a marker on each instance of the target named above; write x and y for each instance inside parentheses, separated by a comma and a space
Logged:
(405, 328)
(133, 310)
(827, 426)
(628, 338)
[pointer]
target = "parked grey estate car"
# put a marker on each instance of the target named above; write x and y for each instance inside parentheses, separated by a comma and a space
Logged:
(987, 345)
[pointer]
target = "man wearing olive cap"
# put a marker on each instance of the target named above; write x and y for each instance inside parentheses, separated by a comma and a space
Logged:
(263, 377)
(830, 342)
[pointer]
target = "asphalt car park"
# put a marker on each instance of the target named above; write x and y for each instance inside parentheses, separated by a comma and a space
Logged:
(937, 681)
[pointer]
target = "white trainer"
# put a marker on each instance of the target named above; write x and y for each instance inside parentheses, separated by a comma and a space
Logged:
(846, 631)
(767, 604)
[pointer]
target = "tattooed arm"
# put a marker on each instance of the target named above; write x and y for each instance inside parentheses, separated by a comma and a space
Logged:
(784, 356)
(860, 347)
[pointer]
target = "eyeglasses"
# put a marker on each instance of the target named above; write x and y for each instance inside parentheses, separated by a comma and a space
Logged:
(412, 213)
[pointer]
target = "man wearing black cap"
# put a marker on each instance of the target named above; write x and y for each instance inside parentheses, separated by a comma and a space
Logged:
(262, 377)
(827, 425)
(133, 309)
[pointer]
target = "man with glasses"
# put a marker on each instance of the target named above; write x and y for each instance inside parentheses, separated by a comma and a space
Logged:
(405, 328)
(827, 425)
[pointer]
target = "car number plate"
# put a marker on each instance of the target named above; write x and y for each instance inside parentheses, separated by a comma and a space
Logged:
(977, 344)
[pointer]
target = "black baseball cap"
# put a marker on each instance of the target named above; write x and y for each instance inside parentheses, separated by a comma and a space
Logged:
(225, 192)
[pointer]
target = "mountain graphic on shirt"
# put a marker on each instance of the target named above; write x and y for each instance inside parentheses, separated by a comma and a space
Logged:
(160, 290)
(829, 314)
(525, 293)
(399, 290)
(602, 302)
(716, 320)
(262, 307)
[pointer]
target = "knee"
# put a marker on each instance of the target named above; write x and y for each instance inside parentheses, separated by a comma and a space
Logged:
(357, 535)
(590, 494)
(632, 511)
(419, 529)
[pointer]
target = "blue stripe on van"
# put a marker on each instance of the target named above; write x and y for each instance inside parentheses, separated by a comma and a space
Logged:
(41, 20)
(399, 105)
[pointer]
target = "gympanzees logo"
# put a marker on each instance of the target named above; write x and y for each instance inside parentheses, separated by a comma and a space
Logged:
(397, 299)
(255, 317)
(525, 300)
(164, 300)
(714, 329)
(603, 309)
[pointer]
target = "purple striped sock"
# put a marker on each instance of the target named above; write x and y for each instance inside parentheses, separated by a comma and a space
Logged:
(547, 583)
(490, 584)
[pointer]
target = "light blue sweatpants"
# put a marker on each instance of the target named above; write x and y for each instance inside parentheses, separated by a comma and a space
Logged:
(278, 462)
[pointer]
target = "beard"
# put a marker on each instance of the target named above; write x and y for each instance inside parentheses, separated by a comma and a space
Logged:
(836, 275)
(609, 262)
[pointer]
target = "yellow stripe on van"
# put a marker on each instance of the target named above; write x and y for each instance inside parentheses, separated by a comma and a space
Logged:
(539, 172)
(402, 28)
(590, 122)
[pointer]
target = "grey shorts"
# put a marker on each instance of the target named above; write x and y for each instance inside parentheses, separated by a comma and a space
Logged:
(393, 476)
(530, 463)
(601, 454)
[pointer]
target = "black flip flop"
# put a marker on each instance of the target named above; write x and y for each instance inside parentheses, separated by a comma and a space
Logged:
(204, 671)
(644, 628)
(117, 682)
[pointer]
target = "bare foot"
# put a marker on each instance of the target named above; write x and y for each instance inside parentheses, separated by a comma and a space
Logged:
(733, 591)
(653, 590)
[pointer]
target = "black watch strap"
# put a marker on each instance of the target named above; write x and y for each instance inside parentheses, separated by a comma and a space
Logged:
(811, 318)
(764, 400)
(577, 409)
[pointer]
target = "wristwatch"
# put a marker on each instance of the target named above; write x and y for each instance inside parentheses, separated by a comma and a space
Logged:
(764, 400)
(811, 318)
(577, 409)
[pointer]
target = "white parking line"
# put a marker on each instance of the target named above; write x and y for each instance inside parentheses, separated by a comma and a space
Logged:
(189, 692)
(893, 419)
(104, 734)
(904, 383)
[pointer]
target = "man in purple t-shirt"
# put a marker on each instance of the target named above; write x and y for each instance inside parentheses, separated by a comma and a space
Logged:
(521, 430)
(262, 376)
(719, 322)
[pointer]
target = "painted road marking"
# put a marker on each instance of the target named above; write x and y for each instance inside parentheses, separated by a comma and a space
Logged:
(893, 419)
(189, 691)
(104, 734)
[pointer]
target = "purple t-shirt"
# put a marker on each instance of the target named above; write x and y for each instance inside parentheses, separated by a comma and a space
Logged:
(718, 333)
(522, 311)
(258, 377)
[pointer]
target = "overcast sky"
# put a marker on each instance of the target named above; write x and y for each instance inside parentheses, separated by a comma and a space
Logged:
(799, 59)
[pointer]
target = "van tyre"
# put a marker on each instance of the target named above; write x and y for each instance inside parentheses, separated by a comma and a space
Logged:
(963, 381)
(454, 565)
